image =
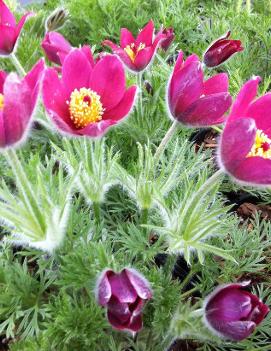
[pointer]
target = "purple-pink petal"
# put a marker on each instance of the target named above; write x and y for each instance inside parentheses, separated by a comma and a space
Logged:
(145, 36)
(108, 80)
(216, 84)
(139, 283)
(121, 287)
(185, 87)
(103, 288)
(206, 111)
(6, 16)
(22, 22)
(244, 98)
(123, 107)
(7, 39)
(76, 71)
(232, 148)
(3, 76)
(255, 170)
(126, 37)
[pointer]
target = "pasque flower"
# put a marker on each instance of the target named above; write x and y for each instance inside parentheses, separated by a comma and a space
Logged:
(193, 101)
(245, 144)
(169, 37)
(221, 50)
(56, 47)
(232, 312)
(137, 53)
(18, 98)
(9, 29)
(90, 97)
(124, 295)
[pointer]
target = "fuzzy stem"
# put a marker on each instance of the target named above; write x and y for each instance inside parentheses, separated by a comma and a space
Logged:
(139, 83)
(248, 3)
(97, 212)
(166, 139)
(24, 187)
(239, 6)
(17, 64)
(144, 216)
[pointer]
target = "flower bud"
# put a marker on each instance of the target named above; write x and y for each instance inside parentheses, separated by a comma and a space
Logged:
(232, 312)
(124, 295)
(56, 19)
(221, 50)
(169, 37)
(56, 47)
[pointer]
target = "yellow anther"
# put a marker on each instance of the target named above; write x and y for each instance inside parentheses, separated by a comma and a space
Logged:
(261, 146)
(132, 50)
(1, 102)
(85, 107)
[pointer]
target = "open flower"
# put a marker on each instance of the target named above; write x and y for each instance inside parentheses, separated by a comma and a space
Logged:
(193, 101)
(90, 97)
(169, 37)
(124, 295)
(221, 50)
(232, 312)
(245, 144)
(137, 53)
(9, 29)
(18, 98)
(56, 47)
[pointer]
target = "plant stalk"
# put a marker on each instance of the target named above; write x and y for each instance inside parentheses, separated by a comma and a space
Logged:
(97, 212)
(169, 134)
(17, 65)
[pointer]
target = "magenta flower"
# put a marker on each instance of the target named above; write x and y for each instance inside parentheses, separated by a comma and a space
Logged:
(193, 101)
(137, 53)
(56, 47)
(169, 37)
(9, 30)
(124, 295)
(18, 99)
(221, 50)
(233, 313)
(245, 144)
(90, 97)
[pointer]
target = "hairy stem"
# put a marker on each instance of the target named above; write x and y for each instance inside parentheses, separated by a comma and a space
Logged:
(166, 139)
(19, 68)
(97, 212)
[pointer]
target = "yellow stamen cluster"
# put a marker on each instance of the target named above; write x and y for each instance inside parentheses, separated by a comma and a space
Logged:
(1, 102)
(85, 107)
(261, 146)
(132, 50)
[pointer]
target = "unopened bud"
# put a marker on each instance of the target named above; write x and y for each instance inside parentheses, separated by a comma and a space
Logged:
(56, 19)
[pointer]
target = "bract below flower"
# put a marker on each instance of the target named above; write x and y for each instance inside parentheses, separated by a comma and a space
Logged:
(124, 295)
(232, 312)
(137, 53)
(90, 97)
(245, 144)
(9, 29)
(193, 101)
(18, 99)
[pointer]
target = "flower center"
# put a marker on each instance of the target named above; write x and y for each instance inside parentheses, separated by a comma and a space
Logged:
(261, 146)
(85, 107)
(132, 50)
(1, 102)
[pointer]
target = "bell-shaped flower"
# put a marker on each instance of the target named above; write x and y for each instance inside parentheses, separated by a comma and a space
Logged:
(56, 47)
(169, 37)
(124, 295)
(193, 101)
(232, 312)
(89, 97)
(137, 53)
(221, 50)
(18, 98)
(245, 144)
(9, 29)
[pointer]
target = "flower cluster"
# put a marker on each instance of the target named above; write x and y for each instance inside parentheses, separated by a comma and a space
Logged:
(86, 94)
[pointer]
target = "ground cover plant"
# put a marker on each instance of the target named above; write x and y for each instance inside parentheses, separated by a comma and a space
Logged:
(135, 175)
